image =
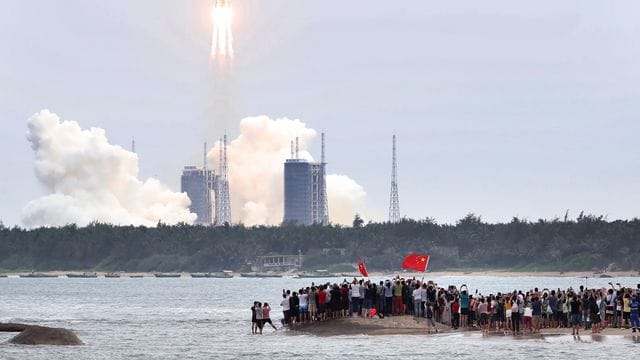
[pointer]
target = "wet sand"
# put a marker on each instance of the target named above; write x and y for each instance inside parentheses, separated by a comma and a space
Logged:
(407, 325)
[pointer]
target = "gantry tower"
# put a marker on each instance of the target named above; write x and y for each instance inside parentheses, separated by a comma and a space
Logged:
(394, 202)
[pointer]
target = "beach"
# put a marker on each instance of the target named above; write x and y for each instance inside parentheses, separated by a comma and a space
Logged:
(408, 325)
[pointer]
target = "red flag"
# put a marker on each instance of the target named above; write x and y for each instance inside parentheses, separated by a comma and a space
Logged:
(362, 268)
(416, 262)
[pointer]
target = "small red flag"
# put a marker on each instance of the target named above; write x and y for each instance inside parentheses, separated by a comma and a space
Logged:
(416, 262)
(362, 268)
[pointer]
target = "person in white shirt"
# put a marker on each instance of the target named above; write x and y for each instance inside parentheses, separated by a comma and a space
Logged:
(304, 306)
(286, 309)
(417, 302)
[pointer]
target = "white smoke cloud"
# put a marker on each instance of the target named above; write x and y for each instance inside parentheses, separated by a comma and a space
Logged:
(92, 180)
(256, 172)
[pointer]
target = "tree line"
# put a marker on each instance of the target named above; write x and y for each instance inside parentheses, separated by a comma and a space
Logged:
(587, 243)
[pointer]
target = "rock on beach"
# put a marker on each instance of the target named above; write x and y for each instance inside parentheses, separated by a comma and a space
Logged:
(40, 335)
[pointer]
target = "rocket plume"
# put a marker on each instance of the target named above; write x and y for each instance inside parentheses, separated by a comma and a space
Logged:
(256, 173)
(91, 180)
(222, 38)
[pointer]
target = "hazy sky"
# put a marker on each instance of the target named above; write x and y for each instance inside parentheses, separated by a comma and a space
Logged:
(501, 108)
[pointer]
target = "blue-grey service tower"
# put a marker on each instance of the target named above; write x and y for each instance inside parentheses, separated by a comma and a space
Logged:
(305, 190)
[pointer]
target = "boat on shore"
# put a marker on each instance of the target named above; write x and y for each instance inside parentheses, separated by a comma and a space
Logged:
(260, 275)
(211, 275)
(136, 276)
(167, 275)
(85, 275)
(317, 274)
(3, 276)
(38, 275)
(112, 275)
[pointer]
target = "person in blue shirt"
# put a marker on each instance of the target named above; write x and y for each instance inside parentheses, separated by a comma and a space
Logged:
(634, 306)
(464, 306)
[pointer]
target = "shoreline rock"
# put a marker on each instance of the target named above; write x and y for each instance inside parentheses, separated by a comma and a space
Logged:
(40, 335)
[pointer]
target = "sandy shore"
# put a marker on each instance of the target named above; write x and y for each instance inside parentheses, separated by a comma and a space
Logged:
(428, 275)
(407, 325)
(509, 273)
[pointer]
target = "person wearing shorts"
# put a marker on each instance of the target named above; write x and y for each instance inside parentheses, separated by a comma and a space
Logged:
(483, 318)
(536, 313)
(576, 314)
(266, 316)
(464, 306)
(312, 301)
(528, 314)
(304, 306)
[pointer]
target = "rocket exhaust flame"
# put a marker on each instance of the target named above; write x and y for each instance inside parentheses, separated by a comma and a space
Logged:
(222, 39)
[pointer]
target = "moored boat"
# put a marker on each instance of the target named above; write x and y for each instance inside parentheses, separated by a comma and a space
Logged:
(85, 275)
(112, 275)
(167, 275)
(260, 275)
(221, 275)
(38, 275)
(307, 276)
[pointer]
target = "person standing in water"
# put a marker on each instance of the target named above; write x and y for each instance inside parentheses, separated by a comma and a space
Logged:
(259, 316)
(266, 316)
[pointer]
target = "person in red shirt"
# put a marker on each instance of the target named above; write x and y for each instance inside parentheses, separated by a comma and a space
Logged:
(455, 309)
(266, 315)
(322, 303)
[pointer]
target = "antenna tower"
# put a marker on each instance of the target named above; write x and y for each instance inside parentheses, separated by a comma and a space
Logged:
(394, 203)
(204, 157)
(133, 146)
(224, 210)
(324, 205)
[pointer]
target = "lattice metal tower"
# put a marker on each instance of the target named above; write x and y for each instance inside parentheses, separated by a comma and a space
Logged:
(223, 210)
(324, 202)
(394, 202)
(204, 157)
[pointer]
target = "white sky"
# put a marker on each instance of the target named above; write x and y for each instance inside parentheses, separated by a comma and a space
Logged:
(501, 108)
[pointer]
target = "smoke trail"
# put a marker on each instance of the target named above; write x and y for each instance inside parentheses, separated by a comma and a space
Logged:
(91, 180)
(256, 159)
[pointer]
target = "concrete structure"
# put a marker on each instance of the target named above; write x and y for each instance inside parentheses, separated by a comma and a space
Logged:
(305, 194)
(278, 262)
(199, 185)
(297, 192)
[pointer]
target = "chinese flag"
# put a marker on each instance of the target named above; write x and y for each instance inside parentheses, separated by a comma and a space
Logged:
(416, 262)
(362, 268)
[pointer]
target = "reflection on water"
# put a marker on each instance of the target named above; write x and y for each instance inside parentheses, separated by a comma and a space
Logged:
(203, 319)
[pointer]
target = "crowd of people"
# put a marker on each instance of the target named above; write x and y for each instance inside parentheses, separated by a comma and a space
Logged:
(516, 312)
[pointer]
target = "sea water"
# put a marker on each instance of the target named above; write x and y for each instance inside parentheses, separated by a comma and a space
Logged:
(186, 318)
